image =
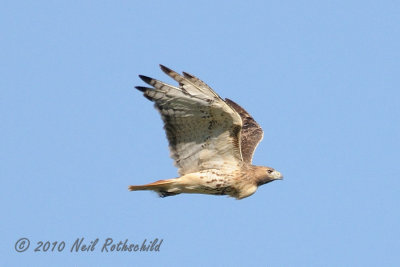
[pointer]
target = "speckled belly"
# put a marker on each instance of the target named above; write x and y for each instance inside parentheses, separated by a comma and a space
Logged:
(212, 181)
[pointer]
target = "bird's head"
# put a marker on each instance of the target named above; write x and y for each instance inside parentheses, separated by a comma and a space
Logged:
(268, 174)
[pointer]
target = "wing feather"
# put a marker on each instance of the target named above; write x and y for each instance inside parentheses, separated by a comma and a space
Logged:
(190, 85)
(202, 130)
(252, 133)
(196, 81)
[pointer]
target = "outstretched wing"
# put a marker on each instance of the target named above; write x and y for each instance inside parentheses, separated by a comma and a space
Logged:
(251, 135)
(202, 130)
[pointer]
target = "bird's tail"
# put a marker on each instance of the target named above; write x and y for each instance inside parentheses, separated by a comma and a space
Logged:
(164, 188)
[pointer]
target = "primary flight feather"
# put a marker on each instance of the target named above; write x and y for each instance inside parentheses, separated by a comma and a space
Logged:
(211, 140)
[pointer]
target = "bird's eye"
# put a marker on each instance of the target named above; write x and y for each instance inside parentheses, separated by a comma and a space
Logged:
(270, 171)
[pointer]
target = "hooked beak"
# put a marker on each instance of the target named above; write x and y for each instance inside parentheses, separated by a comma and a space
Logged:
(277, 175)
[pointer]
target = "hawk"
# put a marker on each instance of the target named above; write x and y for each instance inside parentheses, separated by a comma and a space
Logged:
(211, 140)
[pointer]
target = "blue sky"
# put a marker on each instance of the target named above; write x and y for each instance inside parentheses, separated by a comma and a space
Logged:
(321, 77)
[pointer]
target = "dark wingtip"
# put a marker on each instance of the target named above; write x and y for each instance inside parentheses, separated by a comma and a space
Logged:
(144, 90)
(187, 74)
(141, 88)
(165, 69)
(146, 79)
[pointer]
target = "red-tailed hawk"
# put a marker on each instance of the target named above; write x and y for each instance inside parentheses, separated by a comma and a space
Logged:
(211, 140)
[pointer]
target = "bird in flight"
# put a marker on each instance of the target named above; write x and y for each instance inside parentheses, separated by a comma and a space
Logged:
(211, 140)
